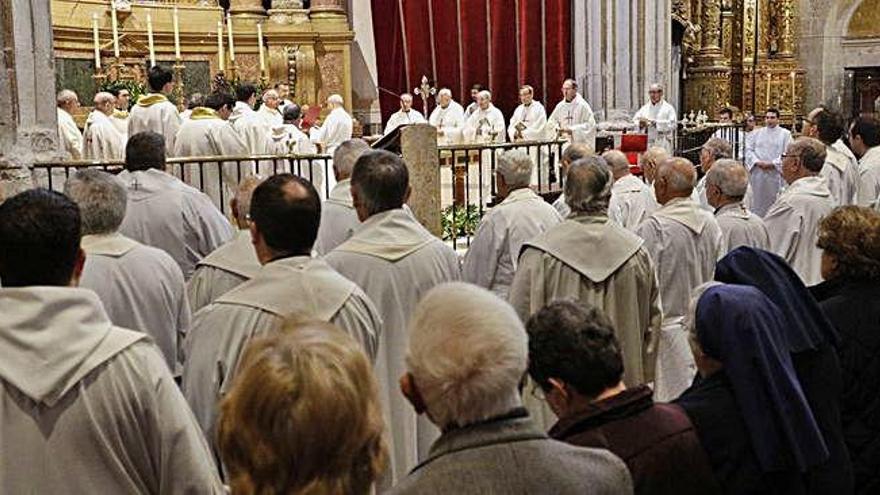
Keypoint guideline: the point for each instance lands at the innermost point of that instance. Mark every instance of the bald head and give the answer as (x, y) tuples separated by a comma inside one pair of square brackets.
[(618, 163), (588, 186), (675, 179), (346, 155), (729, 179), (650, 159), (241, 203), (285, 214)]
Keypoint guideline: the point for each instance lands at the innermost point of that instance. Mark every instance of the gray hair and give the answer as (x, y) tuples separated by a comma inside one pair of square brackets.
[(655, 87), (467, 353), (718, 148), (679, 173), (516, 167), (617, 161), (102, 200), (588, 186), (346, 155), (445, 91), (406, 95), (104, 97), (335, 99), (269, 94), (575, 152), (811, 151), (730, 176), (243, 195), (64, 96), (485, 94)]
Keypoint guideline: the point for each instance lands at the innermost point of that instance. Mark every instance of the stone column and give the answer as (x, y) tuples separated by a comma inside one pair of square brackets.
[(333, 7), (28, 119), (418, 145), (246, 8)]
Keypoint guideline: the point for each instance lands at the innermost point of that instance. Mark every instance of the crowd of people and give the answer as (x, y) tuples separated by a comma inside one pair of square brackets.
[(655, 335)]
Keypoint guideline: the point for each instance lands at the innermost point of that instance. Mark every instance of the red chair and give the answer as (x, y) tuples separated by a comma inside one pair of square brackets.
[(633, 145)]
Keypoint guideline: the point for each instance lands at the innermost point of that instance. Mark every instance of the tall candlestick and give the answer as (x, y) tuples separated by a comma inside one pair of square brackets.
[(231, 42), (221, 55), (176, 35), (260, 47), (768, 90), (793, 94), (115, 26), (150, 41), (97, 41)]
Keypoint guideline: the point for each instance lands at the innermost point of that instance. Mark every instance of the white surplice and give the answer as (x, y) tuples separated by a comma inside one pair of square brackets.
[(227, 267), (631, 202), (842, 176), (396, 261), (483, 124), (793, 224), (491, 260), (153, 112), (338, 218), (88, 407), (869, 176), (101, 139), (165, 213), (69, 135), (335, 130), (120, 121), (450, 120), (400, 118), (576, 115), (533, 119), (241, 109), (766, 144), (297, 286), (287, 139), (662, 133), (684, 242), (740, 227), (140, 287)]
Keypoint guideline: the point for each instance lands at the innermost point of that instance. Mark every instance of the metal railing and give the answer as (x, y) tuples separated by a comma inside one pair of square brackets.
[(689, 141)]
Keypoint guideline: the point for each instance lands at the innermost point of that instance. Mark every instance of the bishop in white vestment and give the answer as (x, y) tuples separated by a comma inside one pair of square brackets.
[(764, 152), (486, 123), (101, 139), (153, 112), (658, 118), (573, 118), (448, 118), (405, 116)]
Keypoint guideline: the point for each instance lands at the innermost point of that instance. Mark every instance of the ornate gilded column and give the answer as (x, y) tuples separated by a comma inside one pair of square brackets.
[(785, 15), (246, 8), (708, 86), (328, 7), (710, 20)]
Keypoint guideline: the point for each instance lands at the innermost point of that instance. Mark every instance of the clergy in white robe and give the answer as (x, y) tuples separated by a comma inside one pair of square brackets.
[(448, 118), (684, 241), (571, 154), (475, 97), (486, 123), (713, 150), (631, 199), (245, 99), (120, 122), (864, 137), (231, 264), (255, 129), (658, 118), (86, 406), (338, 216), (573, 118), (140, 286), (840, 171), (529, 119), (120, 113), (208, 133), (165, 213), (764, 160), (337, 127), (395, 261), (288, 139), (405, 116), (68, 132), (491, 259), (153, 112), (590, 259), (726, 186), (793, 220), (285, 215), (101, 139)]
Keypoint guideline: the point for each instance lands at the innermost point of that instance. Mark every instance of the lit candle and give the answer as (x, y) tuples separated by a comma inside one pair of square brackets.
[(231, 42), (150, 41), (115, 25), (97, 41), (176, 35), (221, 55), (260, 47), (768, 90), (793, 94)]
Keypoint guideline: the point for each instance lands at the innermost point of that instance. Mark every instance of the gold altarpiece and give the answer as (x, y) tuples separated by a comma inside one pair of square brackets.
[(723, 67), (308, 48)]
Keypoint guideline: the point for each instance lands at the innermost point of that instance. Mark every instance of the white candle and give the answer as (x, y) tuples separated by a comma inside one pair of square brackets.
[(115, 25), (221, 55), (150, 41), (231, 42), (97, 41), (768, 90), (176, 35), (260, 47)]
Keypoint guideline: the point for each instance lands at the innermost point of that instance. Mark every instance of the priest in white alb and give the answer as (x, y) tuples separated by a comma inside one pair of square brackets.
[(339, 219), (395, 261), (448, 118), (405, 116), (165, 213), (245, 100), (285, 211), (71, 138), (140, 286), (486, 123), (840, 171), (101, 139), (255, 129), (529, 119), (684, 241), (491, 259), (337, 127), (86, 406), (231, 264), (631, 199), (207, 132), (153, 112), (573, 118), (864, 137), (120, 113), (726, 187), (589, 259), (764, 150), (658, 119), (793, 220)]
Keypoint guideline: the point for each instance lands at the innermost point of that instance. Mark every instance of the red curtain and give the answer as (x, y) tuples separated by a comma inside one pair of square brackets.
[(500, 44)]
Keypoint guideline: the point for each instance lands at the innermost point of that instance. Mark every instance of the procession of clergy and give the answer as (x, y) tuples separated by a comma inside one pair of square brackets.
[(88, 404)]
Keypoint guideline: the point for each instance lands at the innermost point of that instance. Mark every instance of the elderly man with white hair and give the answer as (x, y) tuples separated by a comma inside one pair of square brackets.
[(233, 263), (571, 154), (337, 127), (840, 170), (631, 199), (395, 261), (657, 118), (255, 129), (714, 149), (139, 286), (486, 123), (590, 259), (529, 119), (491, 260), (101, 139), (466, 356), (448, 118), (71, 138), (726, 186), (339, 219), (685, 242), (573, 118), (405, 116)]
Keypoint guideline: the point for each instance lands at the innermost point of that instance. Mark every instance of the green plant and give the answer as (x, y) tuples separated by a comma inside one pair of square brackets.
[(460, 221), (134, 89)]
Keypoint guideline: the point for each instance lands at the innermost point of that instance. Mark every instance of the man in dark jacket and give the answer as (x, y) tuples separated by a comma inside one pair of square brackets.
[(576, 360)]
